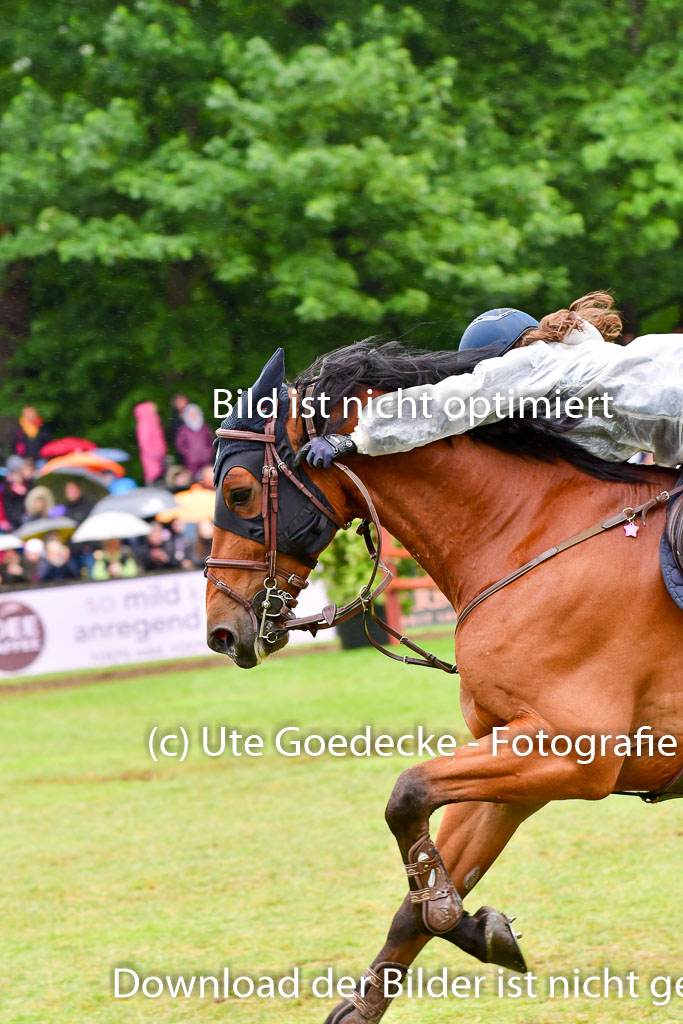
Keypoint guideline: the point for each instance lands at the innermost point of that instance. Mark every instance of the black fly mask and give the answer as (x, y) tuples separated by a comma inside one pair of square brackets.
[(303, 530)]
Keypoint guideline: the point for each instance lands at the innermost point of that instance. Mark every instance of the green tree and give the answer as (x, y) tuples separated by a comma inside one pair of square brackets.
[(184, 186), (190, 197)]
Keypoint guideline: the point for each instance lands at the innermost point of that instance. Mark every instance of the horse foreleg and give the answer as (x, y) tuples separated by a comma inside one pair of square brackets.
[(475, 773), (470, 838), (478, 773)]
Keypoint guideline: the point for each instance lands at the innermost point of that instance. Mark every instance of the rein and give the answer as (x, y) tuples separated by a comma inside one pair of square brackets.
[(272, 603)]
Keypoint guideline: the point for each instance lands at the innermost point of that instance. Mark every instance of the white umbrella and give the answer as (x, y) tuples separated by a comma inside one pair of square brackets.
[(9, 542), (110, 526), (143, 501), (63, 525)]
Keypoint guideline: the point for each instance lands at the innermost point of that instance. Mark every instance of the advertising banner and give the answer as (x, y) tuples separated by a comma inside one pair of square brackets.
[(117, 622)]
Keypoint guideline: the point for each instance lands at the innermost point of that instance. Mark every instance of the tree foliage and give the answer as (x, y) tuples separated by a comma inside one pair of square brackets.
[(184, 186)]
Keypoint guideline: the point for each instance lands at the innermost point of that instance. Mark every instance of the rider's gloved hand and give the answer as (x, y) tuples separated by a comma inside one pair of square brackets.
[(322, 451)]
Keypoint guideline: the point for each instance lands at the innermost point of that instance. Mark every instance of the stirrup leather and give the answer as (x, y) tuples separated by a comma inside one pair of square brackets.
[(436, 900)]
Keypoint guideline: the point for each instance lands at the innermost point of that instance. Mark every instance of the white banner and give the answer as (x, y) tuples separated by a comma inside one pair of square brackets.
[(117, 622)]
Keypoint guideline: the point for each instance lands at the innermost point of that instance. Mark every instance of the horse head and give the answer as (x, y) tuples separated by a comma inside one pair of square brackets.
[(271, 522)]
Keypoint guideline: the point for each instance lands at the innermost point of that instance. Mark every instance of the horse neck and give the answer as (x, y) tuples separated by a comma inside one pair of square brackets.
[(466, 512)]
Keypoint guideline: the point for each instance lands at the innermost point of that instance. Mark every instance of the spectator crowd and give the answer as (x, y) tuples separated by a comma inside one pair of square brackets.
[(50, 486)]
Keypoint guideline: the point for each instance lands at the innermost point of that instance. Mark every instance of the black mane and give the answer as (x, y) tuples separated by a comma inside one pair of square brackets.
[(392, 365)]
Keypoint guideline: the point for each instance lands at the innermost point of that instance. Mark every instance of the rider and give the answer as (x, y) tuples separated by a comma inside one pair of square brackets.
[(622, 400)]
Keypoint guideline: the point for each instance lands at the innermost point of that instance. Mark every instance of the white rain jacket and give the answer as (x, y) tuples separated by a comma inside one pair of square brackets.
[(643, 383)]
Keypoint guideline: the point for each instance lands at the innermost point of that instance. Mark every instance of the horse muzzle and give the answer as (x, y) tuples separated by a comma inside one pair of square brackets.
[(243, 644)]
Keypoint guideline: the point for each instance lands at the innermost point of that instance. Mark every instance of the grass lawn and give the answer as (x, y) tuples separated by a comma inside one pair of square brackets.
[(260, 864)]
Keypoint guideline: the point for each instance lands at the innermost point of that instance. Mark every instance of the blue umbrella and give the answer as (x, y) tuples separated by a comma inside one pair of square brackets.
[(115, 454), (122, 485)]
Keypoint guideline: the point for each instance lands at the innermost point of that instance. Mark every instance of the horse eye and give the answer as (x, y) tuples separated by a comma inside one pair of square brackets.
[(240, 497)]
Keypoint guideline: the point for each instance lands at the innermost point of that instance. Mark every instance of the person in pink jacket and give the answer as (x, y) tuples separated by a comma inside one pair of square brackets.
[(151, 440)]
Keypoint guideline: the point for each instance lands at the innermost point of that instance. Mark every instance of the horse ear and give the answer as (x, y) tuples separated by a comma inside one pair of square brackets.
[(272, 376)]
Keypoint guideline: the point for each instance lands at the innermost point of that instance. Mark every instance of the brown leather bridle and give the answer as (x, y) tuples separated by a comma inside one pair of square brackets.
[(270, 596), (270, 609)]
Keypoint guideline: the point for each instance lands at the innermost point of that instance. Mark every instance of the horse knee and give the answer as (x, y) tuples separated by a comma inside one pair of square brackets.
[(408, 800)]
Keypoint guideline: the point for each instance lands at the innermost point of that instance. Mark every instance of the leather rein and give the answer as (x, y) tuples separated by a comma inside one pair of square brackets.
[(273, 604)]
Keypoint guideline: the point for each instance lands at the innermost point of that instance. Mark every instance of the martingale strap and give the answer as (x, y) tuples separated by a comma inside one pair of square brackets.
[(627, 515)]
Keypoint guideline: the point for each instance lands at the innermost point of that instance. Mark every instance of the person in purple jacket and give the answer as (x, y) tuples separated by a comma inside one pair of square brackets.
[(194, 440)]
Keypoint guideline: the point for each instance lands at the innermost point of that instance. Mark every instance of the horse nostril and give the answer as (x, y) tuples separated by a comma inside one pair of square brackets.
[(221, 640)]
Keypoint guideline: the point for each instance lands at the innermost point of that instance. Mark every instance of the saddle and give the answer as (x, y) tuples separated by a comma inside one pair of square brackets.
[(671, 549)]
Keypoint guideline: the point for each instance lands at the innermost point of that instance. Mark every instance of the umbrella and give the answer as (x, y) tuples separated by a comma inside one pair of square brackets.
[(8, 542), (62, 525), (121, 485), (83, 460), (192, 505), (143, 501), (115, 454), (110, 526), (89, 483), (64, 445)]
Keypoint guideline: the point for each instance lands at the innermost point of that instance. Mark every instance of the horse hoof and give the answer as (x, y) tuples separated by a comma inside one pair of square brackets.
[(487, 935), (502, 947)]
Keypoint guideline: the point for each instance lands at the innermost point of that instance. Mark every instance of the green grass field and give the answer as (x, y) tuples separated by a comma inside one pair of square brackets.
[(109, 859)]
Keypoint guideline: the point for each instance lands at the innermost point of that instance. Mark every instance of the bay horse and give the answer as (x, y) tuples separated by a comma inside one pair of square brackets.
[(589, 643)]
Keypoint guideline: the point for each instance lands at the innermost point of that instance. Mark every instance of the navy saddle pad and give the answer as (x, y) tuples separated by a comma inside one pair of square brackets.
[(670, 571)]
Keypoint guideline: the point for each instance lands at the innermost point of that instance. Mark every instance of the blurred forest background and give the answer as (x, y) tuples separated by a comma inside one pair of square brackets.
[(186, 185)]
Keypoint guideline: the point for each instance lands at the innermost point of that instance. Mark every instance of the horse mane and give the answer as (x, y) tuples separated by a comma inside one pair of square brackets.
[(391, 365)]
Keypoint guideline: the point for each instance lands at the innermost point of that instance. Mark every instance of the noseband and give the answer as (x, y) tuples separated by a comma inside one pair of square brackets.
[(271, 608), (271, 602)]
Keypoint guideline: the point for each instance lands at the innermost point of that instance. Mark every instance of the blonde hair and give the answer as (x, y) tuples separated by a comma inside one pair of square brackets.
[(596, 307)]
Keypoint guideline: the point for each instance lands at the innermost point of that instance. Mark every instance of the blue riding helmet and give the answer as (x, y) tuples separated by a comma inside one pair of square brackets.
[(499, 327)]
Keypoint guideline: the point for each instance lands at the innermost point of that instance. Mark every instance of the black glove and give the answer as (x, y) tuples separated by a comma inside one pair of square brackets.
[(322, 451)]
